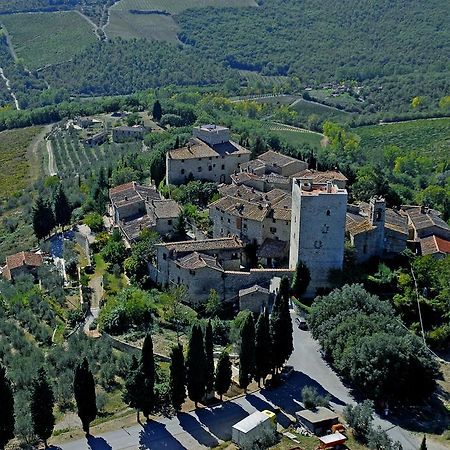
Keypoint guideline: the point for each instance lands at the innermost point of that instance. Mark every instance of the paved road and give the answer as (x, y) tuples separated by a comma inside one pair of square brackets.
[(206, 428)]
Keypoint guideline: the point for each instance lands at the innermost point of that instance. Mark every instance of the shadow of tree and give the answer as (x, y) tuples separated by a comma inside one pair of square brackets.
[(98, 443), (220, 419), (192, 426), (154, 435), (261, 405)]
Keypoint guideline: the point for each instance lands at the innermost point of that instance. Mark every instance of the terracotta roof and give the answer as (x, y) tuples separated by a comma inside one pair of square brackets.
[(133, 228), (28, 259), (432, 245), (165, 209), (241, 208), (253, 289), (196, 148), (204, 245), (197, 260), (277, 159), (355, 227), (128, 193), (251, 194), (321, 177)]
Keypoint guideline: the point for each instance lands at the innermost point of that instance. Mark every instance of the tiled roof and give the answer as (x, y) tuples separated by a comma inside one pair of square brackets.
[(132, 192), (204, 245), (321, 177), (427, 219), (241, 208), (197, 260), (254, 164), (133, 228), (432, 245), (196, 148), (165, 209), (277, 159), (355, 227), (27, 259), (396, 222), (253, 289), (251, 194)]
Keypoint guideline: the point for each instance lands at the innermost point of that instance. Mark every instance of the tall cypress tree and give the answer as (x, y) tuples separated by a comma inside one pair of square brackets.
[(62, 208), (281, 328), (196, 365), (263, 347), (43, 219), (209, 353), (177, 377), (84, 390), (7, 420), (301, 280), (157, 111), (222, 380), (133, 388), (42, 404), (247, 352), (148, 375), (423, 445)]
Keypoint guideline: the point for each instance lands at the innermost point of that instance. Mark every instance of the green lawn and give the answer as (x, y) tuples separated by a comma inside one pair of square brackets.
[(48, 38), (161, 27), (305, 109), (430, 137), (14, 163), (296, 138)]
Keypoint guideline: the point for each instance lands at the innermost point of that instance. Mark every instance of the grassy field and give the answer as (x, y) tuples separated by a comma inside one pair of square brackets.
[(15, 166), (344, 99), (305, 109), (256, 79), (127, 25), (430, 137), (48, 38), (297, 138)]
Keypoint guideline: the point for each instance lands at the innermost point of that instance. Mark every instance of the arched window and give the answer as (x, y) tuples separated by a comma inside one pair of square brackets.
[(328, 212)]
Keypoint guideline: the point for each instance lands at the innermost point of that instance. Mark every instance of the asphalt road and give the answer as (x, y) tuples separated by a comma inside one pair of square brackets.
[(207, 427)]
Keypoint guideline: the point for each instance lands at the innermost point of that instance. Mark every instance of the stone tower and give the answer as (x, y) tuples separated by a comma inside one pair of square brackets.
[(317, 230), (377, 218)]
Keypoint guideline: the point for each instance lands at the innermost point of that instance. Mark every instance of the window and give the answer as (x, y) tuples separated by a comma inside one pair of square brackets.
[(328, 212), (182, 171), (221, 218), (199, 169), (273, 230), (378, 216), (223, 166), (178, 278), (192, 272), (182, 160), (164, 256), (210, 158), (169, 222), (210, 168), (245, 226), (228, 220), (274, 221)]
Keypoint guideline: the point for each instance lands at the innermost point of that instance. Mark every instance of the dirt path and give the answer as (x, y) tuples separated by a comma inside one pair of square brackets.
[(93, 25), (52, 169), (8, 86), (33, 152), (283, 127)]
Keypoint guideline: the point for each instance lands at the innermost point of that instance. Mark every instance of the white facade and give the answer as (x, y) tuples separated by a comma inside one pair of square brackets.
[(317, 230)]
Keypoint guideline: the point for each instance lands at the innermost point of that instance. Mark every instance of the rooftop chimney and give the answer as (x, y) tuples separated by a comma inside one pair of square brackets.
[(329, 187)]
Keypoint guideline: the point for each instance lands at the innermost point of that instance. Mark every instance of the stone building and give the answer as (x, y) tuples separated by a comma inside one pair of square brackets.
[(135, 208), (317, 230), (256, 217), (317, 177), (254, 299), (210, 155), (434, 246), (375, 231), (96, 139), (125, 134), (208, 264), (20, 264)]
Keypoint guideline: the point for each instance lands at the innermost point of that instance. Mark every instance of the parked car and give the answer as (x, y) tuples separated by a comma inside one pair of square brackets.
[(301, 323), (286, 372)]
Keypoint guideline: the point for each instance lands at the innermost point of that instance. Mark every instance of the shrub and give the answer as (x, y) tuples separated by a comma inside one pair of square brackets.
[(312, 399), (94, 221)]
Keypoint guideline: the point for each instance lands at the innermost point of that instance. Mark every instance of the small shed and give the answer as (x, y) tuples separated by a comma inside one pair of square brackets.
[(254, 298), (258, 426), (318, 421)]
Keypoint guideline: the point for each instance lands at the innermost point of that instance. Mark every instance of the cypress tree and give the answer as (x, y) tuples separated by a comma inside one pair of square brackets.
[(301, 280), (148, 375), (423, 445), (157, 111), (196, 365), (177, 377), (247, 352), (62, 208), (7, 420), (223, 374), (209, 353), (43, 219), (281, 330), (263, 347), (42, 404), (84, 390), (133, 388)]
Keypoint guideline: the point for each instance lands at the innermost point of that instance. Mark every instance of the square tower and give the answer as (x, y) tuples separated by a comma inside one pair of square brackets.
[(317, 230)]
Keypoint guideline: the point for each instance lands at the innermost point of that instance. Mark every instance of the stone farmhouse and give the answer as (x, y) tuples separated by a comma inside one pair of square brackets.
[(22, 263), (126, 134), (208, 264), (254, 299), (428, 233), (375, 230), (97, 139), (259, 218), (317, 230), (210, 155), (135, 208)]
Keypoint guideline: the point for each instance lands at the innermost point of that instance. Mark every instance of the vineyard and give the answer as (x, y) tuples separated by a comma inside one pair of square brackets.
[(71, 157)]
